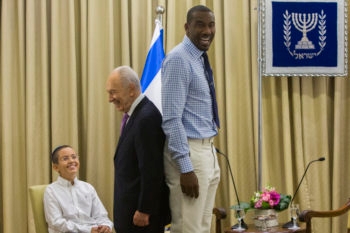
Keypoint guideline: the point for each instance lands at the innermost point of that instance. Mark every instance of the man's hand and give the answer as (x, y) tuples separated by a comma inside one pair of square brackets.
[(141, 219), (189, 184)]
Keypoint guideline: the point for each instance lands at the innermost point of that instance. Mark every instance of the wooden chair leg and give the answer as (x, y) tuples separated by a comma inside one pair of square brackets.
[(220, 213)]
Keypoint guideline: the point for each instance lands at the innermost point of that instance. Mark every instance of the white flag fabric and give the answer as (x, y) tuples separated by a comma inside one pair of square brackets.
[(150, 79)]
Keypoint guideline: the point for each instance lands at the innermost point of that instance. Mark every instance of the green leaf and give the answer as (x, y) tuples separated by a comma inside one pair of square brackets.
[(284, 202), (243, 205)]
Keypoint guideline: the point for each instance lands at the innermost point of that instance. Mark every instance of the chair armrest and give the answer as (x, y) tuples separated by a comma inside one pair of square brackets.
[(306, 215), (220, 213)]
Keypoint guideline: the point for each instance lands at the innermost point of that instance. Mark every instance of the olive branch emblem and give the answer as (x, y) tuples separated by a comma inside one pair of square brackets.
[(287, 26)]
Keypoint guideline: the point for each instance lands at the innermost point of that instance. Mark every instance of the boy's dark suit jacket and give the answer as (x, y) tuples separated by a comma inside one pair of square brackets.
[(139, 174)]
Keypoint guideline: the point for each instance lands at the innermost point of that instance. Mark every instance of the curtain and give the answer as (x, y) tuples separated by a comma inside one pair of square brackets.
[(55, 56)]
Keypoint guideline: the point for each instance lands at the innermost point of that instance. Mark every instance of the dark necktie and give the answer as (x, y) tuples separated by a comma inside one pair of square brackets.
[(209, 75), (124, 120)]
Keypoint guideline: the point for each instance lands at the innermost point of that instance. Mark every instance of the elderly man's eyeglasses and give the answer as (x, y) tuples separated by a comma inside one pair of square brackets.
[(66, 158)]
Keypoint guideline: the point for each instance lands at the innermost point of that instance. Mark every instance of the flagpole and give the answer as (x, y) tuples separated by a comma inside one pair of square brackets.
[(151, 74), (259, 99), (160, 11)]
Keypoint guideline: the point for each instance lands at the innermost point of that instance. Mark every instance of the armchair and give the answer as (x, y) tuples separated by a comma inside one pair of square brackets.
[(307, 215), (220, 213), (36, 194)]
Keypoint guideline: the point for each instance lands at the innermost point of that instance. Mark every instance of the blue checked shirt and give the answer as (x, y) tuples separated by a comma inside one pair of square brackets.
[(186, 101)]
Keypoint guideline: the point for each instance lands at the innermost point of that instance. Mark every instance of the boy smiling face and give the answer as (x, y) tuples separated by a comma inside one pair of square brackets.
[(68, 164)]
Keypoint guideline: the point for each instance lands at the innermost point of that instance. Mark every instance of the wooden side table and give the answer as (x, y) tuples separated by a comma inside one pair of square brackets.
[(277, 229)]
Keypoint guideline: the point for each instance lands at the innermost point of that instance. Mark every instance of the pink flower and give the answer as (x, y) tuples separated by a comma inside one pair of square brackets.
[(275, 198), (267, 198), (258, 204)]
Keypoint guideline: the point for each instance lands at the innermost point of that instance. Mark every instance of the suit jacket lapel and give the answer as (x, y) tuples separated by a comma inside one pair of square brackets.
[(134, 116), (131, 120)]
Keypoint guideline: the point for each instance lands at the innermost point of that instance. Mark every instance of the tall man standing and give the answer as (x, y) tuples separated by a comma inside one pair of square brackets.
[(140, 192), (190, 122)]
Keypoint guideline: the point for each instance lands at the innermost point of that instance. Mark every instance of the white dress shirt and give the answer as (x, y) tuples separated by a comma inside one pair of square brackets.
[(73, 208)]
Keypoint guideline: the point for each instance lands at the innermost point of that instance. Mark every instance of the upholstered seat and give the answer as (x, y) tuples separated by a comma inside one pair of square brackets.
[(36, 194)]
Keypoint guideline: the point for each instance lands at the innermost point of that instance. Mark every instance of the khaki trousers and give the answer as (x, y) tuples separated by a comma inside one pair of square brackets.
[(193, 215)]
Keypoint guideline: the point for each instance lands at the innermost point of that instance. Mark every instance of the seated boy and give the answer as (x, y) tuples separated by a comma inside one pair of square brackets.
[(72, 205)]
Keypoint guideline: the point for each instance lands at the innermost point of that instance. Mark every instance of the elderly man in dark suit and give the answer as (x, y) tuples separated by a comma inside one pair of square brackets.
[(140, 192)]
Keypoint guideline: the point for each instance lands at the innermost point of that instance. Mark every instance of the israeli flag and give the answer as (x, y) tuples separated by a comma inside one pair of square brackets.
[(150, 79)]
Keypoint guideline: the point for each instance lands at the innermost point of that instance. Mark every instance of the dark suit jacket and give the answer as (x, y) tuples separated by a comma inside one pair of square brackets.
[(139, 174)]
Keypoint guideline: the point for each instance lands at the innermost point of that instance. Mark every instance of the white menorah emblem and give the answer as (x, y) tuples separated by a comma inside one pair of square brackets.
[(304, 23)]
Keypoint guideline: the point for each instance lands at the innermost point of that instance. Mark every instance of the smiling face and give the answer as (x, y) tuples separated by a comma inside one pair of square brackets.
[(67, 163), (200, 29), (121, 92)]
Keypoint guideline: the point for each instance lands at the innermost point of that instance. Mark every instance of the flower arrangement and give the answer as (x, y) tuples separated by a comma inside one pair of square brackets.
[(269, 198)]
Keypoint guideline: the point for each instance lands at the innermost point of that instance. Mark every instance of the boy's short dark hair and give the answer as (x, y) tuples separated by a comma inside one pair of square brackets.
[(54, 154)]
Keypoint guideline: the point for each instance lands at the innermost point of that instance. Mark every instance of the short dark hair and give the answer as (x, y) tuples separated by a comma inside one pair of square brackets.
[(195, 9), (54, 154)]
